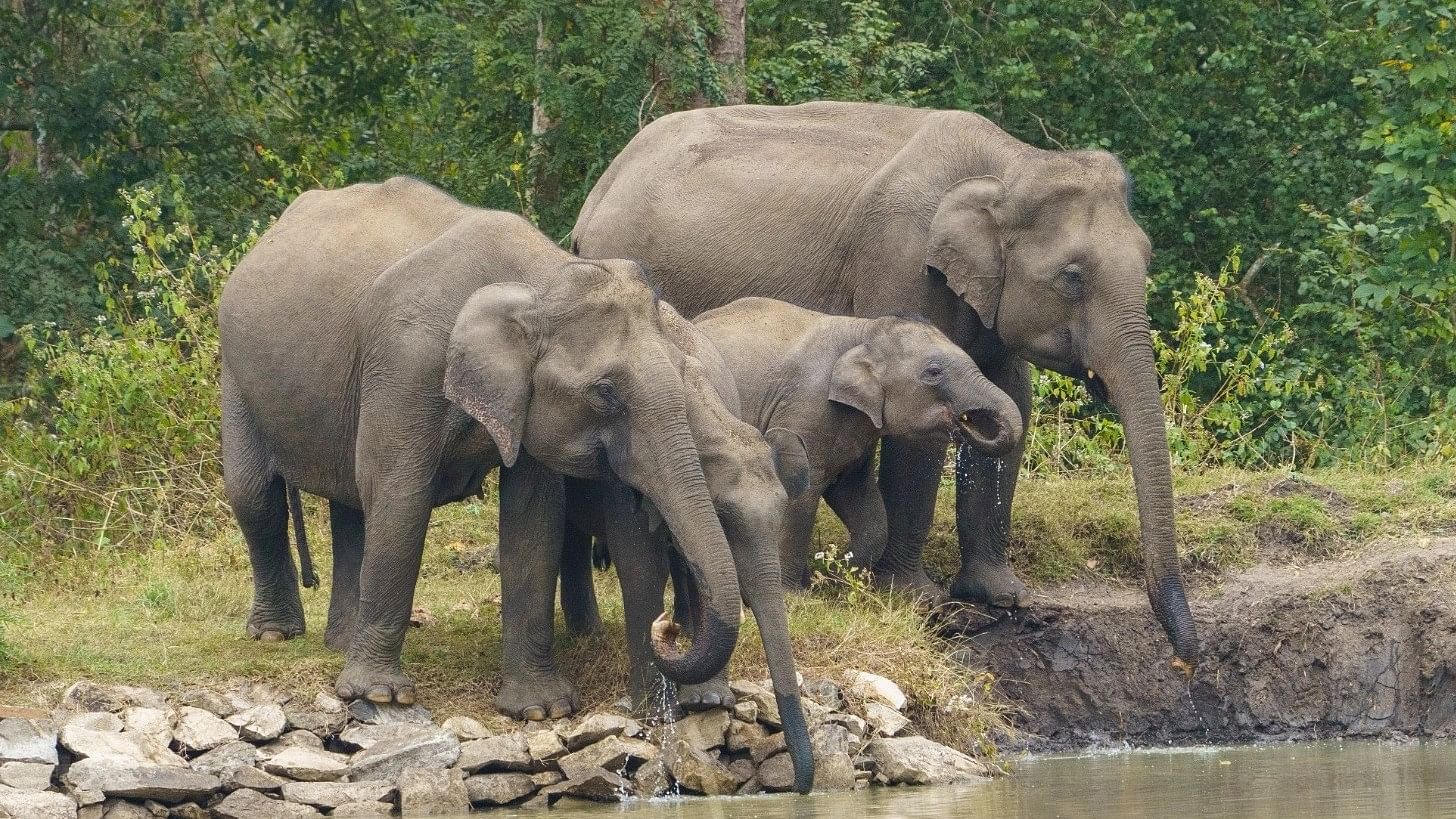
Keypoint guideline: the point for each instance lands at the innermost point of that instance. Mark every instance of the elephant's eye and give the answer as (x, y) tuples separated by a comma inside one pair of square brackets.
[(605, 398), (933, 374), (1069, 282)]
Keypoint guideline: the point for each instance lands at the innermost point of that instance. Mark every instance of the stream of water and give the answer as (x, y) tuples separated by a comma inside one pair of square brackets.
[(1317, 779)]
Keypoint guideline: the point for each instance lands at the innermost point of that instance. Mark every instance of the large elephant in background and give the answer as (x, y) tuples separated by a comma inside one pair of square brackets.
[(1017, 253), (385, 347)]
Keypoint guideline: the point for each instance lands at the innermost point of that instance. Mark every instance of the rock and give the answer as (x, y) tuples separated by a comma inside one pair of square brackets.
[(103, 721), (596, 784), (32, 805), (89, 696), (371, 713), (466, 728), (325, 716), (330, 795), (246, 804), (884, 720), (145, 781), (152, 724), (189, 810), (830, 739), (499, 788), (920, 761), (252, 779), (122, 809), (200, 730), (261, 723), (764, 748), (307, 764), (359, 737), (745, 710), (857, 727), (507, 752), (433, 792), (28, 740), (544, 778), (209, 700), (224, 759), (122, 748), (823, 692), (26, 776), (597, 727), (614, 753), (704, 730), (430, 749), (743, 770), (292, 739), (833, 766), (651, 779), (544, 746), (763, 701), (867, 687), (776, 774), (363, 809), (742, 735), (696, 770)]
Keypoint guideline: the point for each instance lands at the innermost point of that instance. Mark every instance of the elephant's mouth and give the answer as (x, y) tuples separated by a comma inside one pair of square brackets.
[(1096, 386), (983, 430)]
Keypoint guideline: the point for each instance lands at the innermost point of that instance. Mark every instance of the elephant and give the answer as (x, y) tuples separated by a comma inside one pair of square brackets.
[(841, 383), (751, 477), (385, 346), (1018, 254)]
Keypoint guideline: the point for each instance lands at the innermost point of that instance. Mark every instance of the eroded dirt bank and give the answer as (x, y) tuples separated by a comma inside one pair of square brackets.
[(1361, 646)]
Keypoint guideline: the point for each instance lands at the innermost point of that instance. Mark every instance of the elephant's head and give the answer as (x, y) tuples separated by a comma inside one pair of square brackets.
[(910, 380), (576, 371), (1052, 263)]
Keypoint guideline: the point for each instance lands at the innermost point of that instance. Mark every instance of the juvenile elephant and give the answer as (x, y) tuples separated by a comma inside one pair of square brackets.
[(1018, 254), (385, 347), (841, 383)]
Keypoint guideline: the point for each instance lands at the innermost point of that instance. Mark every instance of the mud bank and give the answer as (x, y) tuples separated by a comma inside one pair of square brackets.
[(1360, 646)]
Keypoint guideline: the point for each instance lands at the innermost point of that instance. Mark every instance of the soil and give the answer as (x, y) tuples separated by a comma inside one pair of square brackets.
[(1358, 646)]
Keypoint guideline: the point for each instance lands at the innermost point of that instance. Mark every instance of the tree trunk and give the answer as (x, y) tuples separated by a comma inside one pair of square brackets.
[(728, 47), (544, 188)]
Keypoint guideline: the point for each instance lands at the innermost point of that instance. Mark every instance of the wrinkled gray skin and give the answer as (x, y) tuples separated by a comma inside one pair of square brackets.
[(751, 477), (385, 347), (841, 383), (1018, 254)]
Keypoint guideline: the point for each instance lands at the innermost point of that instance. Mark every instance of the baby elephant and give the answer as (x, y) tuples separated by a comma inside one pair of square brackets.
[(841, 383)]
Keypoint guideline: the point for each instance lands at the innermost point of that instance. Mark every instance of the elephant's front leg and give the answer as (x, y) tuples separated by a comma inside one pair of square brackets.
[(532, 511), (346, 528), (641, 561), (985, 488), (796, 535), (909, 478), (855, 497)]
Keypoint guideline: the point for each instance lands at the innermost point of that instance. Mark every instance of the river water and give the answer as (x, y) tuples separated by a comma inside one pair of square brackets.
[(1316, 779)]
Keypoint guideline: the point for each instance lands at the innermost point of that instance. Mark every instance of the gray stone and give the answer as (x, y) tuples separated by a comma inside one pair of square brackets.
[(544, 746), (330, 795), (28, 740), (776, 774), (833, 766), (745, 710), (359, 737), (122, 809), (152, 725), (596, 784), (103, 721), (88, 696), (116, 778), (307, 764), (884, 720), (371, 713), (920, 761), (200, 730), (261, 723), (696, 770), (431, 749), (425, 792), (824, 692), (114, 745), (252, 779), (33, 805), (856, 726), (363, 809), (597, 727), (507, 752), (26, 776), (771, 744), (89, 811), (226, 758), (292, 739), (324, 716), (704, 730), (189, 810), (763, 701), (867, 687), (651, 779), (742, 735), (246, 804), (466, 728), (209, 700), (614, 753), (544, 778), (743, 770), (499, 788)]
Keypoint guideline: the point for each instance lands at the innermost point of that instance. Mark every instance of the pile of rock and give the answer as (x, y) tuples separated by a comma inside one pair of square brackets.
[(116, 752)]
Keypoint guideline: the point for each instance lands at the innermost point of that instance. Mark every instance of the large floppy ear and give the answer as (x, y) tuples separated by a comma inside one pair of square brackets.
[(493, 350), (855, 381), (791, 459), (966, 244)]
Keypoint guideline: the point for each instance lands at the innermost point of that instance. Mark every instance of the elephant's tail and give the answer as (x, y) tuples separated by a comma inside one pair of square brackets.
[(300, 536)]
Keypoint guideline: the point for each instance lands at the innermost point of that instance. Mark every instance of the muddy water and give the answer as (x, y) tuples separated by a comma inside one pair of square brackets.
[(1320, 779)]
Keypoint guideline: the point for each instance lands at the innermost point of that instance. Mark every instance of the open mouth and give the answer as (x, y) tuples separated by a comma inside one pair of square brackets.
[(1096, 386), (978, 427)]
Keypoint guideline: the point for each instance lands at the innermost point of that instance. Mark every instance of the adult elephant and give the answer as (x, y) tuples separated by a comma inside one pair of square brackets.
[(1017, 253), (385, 347)]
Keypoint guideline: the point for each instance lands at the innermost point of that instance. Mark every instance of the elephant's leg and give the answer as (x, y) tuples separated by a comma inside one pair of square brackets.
[(795, 537), (346, 528), (578, 595), (909, 479), (641, 561), (855, 498), (532, 508), (714, 693), (985, 488), (256, 494)]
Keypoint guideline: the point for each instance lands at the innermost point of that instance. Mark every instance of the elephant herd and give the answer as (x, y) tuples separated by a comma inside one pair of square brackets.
[(757, 299)]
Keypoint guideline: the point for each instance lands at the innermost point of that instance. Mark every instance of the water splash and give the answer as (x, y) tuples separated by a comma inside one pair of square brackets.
[(1188, 692), (662, 712)]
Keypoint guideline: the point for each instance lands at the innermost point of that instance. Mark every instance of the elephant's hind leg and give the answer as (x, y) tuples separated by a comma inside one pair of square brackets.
[(256, 493), (346, 526), (578, 595)]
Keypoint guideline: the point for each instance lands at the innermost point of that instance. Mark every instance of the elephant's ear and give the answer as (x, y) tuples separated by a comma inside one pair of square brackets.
[(966, 244), (791, 459), (855, 382), (492, 355)]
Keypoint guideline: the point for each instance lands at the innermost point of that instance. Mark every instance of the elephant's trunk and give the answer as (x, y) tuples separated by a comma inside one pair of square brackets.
[(1131, 381), (986, 417)]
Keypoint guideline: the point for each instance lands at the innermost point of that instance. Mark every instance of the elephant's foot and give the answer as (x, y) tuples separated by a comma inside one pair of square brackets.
[(542, 696), (274, 623), (993, 584), (377, 682), (915, 584), (706, 696)]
